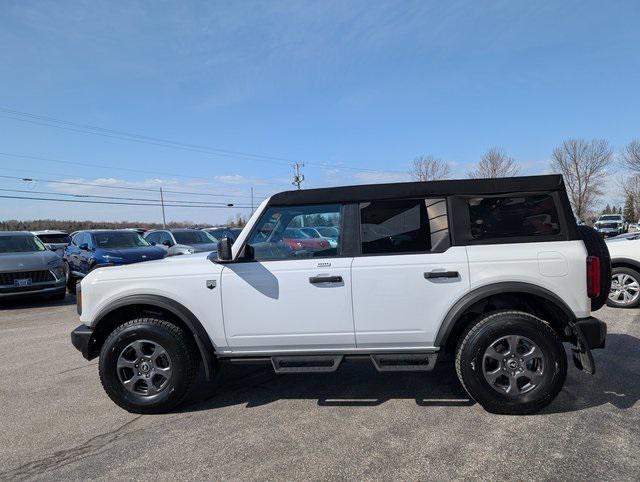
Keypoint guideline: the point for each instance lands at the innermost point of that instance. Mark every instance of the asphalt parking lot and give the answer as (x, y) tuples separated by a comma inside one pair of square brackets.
[(355, 423)]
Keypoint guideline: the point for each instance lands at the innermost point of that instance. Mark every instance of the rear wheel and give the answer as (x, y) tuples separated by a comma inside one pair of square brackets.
[(511, 363), (147, 365), (625, 288)]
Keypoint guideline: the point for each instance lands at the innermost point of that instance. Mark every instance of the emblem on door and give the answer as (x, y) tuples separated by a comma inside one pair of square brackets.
[(324, 264), (211, 283)]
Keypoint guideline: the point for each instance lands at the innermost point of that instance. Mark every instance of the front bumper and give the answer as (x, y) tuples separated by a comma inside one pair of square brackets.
[(590, 334), (81, 338), (46, 288)]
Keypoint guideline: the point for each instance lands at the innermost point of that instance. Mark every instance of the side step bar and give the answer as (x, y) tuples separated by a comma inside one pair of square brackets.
[(383, 362), (400, 362), (304, 364)]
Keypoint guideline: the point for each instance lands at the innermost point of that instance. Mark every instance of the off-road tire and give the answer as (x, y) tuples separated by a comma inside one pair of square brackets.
[(470, 359), (636, 276), (178, 345), (597, 247)]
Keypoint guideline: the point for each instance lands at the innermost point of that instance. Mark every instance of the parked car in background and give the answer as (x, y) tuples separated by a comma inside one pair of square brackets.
[(315, 233), (633, 228), (105, 247), (298, 240), (220, 232), (140, 231), (54, 241), (625, 270), (610, 225), (182, 241), (27, 267)]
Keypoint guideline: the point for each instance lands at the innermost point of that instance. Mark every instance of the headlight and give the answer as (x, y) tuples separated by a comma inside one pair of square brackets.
[(109, 258)]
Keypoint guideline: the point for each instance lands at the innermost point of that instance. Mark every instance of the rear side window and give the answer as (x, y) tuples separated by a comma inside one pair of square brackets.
[(513, 216), (404, 226)]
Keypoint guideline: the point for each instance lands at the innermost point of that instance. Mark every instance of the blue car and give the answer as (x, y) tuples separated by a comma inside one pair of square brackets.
[(97, 248)]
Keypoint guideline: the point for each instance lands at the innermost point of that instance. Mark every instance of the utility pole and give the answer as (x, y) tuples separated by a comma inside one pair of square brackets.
[(251, 199), (298, 177), (164, 221)]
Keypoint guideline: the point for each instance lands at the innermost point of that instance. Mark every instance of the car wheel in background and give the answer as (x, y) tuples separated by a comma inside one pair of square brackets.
[(70, 279), (511, 363), (625, 288), (147, 365)]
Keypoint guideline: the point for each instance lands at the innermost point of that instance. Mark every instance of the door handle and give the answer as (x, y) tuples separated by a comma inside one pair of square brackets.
[(325, 279), (441, 274)]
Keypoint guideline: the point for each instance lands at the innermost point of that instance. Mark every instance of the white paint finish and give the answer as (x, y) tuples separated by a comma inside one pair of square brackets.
[(624, 248), (180, 278), (497, 263), (272, 305), (394, 305), (552, 264)]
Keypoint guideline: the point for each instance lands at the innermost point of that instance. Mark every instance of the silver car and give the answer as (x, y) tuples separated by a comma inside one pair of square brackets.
[(54, 240), (182, 241), (27, 267)]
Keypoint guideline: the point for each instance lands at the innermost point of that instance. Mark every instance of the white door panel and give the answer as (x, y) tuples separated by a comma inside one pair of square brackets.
[(393, 302), (273, 304)]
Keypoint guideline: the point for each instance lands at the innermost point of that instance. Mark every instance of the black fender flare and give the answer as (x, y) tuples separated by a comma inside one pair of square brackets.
[(200, 335), (632, 262), (493, 289)]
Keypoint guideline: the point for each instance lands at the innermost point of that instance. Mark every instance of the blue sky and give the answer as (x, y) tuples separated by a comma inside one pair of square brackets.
[(338, 84)]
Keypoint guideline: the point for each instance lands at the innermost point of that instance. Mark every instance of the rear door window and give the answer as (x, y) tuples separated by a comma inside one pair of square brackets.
[(521, 216), (404, 226)]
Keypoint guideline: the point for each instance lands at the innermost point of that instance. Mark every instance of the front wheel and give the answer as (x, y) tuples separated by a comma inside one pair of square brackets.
[(625, 288), (147, 365), (511, 363)]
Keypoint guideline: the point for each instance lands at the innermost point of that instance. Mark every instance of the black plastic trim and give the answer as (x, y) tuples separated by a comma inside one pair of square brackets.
[(205, 346), (632, 262), (80, 338), (497, 288)]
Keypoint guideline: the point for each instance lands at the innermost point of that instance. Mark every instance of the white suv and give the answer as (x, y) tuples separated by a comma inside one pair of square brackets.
[(495, 271)]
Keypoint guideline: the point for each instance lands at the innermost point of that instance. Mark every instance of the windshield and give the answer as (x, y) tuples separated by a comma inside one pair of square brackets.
[(328, 232), (119, 240), (20, 244), (215, 233), (54, 238), (610, 218), (295, 234), (193, 237)]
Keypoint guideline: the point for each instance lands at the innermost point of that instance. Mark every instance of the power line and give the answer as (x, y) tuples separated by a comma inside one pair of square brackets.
[(117, 203), (119, 198), (162, 142), (128, 188)]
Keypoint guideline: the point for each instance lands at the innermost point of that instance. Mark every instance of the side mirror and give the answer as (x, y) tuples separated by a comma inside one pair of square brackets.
[(152, 243), (167, 243), (224, 249), (84, 247)]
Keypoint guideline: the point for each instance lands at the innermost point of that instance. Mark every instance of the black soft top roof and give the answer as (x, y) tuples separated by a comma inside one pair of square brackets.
[(371, 192)]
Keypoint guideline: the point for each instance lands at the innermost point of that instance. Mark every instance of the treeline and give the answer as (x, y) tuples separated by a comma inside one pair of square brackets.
[(71, 226)]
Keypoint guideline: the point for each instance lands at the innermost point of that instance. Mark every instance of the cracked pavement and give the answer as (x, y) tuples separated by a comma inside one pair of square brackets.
[(57, 423)]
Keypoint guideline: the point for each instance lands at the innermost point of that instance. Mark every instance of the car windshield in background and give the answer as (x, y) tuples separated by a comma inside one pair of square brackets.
[(20, 244), (295, 234), (610, 218), (327, 232), (236, 231), (218, 234), (54, 238), (119, 240), (193, 237)]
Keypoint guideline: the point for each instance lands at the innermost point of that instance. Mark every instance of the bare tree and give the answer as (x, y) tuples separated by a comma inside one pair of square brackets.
[(631, 156), (495, 163), (583, 165), (631, 188), (428, 168)]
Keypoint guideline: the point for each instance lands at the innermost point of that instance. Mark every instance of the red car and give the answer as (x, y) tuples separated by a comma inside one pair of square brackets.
[(298, 240)]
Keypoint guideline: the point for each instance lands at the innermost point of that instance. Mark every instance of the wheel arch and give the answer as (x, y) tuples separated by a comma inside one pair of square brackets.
[(625, 263), (130, 307), (505, 295)]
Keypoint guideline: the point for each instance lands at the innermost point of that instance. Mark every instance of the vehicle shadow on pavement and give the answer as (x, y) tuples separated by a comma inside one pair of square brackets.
[(617, 378), (35, 302), (353, 384)]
